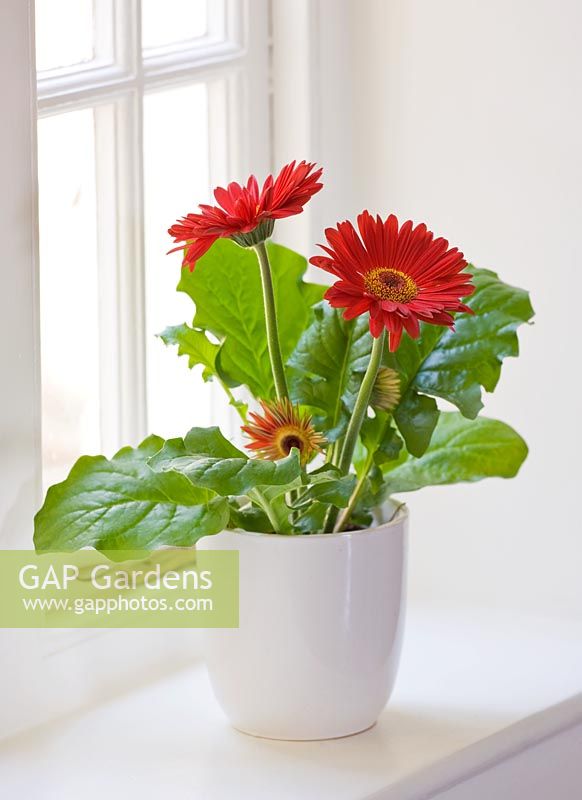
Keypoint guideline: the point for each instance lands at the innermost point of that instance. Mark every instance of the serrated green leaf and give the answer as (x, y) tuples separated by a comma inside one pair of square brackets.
[(150, 445), (194, 344), (226, 288), (122, 504), (461, 450), (328, 364), (455, 365)]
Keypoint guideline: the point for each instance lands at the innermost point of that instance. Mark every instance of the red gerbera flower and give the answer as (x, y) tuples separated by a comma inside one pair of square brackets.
[(244, 213), (400, 276)]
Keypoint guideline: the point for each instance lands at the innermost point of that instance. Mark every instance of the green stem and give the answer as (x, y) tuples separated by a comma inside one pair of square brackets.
[(360, 410), (271, 323), (347, 512), (362, 403), (331, 453), (368, 464), (279, 525)]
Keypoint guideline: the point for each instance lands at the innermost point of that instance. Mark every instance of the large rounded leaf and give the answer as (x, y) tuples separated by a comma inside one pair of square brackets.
[(461, 450), (122, 504)]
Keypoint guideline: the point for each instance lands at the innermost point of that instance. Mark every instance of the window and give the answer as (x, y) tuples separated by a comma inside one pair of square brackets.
[(128, 139), (143, 107), (112, 119)]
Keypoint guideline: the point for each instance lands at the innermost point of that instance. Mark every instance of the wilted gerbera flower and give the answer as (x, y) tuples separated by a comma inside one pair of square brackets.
[(280, 428), (386, 391), (400, 276), (244, 213)]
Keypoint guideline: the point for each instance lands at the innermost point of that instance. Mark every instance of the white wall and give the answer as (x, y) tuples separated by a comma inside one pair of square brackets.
[(467, 114)]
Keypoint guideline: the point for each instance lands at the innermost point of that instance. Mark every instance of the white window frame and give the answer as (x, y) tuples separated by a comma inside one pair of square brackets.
[(45, 676), (230, 51)]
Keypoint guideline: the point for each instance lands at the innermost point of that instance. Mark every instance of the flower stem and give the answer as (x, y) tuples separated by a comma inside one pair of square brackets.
[(346, 513), (360, 409), (271, 323), (361, 406), (368, 464)]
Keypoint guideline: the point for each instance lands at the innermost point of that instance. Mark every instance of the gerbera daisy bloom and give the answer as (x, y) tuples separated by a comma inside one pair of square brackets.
[(280, 428), (244, 213), (400, 276)]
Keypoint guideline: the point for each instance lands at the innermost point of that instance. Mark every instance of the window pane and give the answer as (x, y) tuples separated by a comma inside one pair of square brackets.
[(176, 180), (64, 33), (173, 21), (68, 291)]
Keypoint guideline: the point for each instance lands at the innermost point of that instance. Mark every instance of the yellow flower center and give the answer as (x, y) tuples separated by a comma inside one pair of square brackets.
[(390, 284)]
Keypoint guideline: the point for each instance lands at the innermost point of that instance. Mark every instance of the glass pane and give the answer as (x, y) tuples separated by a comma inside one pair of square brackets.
[(176, 179), (68, 291), (64, 33), (172, 21)]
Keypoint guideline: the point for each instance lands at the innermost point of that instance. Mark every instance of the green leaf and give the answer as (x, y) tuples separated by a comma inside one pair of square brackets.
[(461, 450), (312, 519), (249, 518), (226, 288), (271, 500), (225, 474), (210, 442), (328, 363), (327, 487), (416, 417), (199, 442), (236, 476), (194, 344), (455, 365), (380, 439), (272, 493), (122, 504), (379, 444)]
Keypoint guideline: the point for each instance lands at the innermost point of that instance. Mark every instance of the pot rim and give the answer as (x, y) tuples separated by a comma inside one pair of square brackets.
[(400, 515)]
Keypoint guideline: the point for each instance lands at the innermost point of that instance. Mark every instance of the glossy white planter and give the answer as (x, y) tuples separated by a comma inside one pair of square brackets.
[(321, 619)]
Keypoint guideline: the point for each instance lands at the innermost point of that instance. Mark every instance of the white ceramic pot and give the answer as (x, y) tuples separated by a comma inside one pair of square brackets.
[(321, 618)]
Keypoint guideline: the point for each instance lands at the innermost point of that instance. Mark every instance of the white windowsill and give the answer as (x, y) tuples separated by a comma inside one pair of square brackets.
[(464, 680)]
